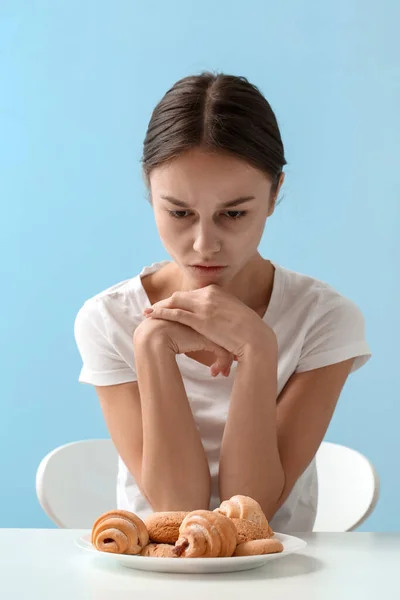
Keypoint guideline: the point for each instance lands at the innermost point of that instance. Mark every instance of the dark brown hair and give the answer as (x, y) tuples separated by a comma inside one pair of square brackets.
[(216, 112)]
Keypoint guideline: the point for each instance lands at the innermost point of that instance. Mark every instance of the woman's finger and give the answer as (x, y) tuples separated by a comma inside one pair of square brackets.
[(224, 360), (225, 372), (184, 300), (176, 315)]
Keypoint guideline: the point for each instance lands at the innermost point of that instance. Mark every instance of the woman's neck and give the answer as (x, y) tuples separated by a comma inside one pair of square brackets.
[(253, 285)]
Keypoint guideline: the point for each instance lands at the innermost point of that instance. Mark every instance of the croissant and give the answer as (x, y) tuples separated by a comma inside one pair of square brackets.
[(244, 507), (119, 532), (206, 534)]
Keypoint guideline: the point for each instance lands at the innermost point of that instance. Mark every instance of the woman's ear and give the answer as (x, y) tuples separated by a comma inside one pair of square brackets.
[(275, 195)]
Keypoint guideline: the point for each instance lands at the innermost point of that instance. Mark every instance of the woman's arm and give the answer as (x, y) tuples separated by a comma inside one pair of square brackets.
[(174, 468), (267, 444), (249, 461)]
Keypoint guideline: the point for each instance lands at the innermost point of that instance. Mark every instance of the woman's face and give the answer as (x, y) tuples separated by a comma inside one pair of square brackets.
[(190, 197)]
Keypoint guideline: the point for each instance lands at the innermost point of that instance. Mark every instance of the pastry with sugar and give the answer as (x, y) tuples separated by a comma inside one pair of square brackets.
[(163, 527), (248, 531), (244, 507), (119, 532), (206, 534), (256, 547), (159, 550)]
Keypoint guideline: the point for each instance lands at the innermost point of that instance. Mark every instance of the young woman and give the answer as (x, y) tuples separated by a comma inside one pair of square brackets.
[(228, 386)]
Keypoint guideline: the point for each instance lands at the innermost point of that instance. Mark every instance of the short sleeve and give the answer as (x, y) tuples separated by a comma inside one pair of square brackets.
[(336, 333), (102, 365)]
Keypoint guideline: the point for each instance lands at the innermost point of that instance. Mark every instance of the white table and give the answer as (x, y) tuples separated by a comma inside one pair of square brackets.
[(42, 564)]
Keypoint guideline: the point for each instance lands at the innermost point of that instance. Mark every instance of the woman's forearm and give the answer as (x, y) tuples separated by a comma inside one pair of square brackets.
[(249, 462), (175, 473)]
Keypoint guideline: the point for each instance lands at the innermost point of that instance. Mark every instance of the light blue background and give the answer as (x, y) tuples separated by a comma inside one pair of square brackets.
[(78, 82)]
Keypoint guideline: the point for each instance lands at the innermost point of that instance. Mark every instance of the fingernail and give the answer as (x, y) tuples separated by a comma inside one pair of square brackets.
[(147, 311)]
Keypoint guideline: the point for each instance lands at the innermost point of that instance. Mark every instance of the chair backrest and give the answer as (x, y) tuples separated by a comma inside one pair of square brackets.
[(348, 488), (76, 483)]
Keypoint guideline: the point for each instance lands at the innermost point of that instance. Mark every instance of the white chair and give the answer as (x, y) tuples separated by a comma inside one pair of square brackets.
[(76, 483), (348, 488)]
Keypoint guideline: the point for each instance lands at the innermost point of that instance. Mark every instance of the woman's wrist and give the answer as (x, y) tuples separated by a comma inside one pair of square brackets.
[(262, 345), (151, 335)]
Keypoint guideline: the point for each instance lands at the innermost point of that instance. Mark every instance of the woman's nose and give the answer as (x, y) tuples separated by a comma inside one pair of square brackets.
[(206, 242)]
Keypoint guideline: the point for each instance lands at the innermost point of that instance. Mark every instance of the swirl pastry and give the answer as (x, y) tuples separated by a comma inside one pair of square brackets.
[(206, 534), (119, 532), (255, 547), (244, 507), (163, 527)]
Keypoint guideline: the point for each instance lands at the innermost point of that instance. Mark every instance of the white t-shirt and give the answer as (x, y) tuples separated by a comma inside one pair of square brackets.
[(314, 324)]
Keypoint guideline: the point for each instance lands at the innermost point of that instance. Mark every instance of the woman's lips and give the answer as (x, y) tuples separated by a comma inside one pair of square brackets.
[(207, 270)]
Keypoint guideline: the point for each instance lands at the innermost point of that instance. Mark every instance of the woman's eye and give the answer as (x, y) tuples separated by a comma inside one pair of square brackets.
[(178, 214), (233, 215), (237, 214)]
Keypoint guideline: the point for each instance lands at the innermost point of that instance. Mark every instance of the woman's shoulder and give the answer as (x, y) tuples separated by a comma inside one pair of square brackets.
[(314, 309), (321, 315), (329, 324), (124, 300), (303, 290)]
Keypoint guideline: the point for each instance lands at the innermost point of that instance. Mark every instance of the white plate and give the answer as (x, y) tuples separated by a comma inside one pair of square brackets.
[(195, 565)]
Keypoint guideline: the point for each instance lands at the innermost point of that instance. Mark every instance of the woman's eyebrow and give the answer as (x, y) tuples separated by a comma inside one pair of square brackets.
[(235, 202)]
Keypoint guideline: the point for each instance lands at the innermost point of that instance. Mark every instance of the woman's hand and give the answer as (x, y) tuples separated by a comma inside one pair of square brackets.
[(218, 316), (181, 339)]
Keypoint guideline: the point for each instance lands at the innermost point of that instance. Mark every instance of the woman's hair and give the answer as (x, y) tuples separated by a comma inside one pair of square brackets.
[(217, 113)]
